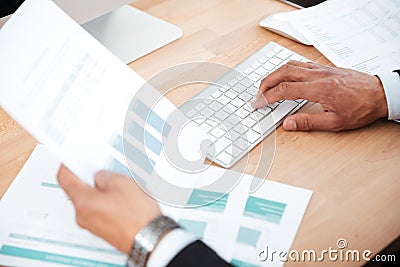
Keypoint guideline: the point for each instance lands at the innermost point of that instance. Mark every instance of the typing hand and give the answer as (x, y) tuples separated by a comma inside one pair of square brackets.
[(115, 209), (350, 99)]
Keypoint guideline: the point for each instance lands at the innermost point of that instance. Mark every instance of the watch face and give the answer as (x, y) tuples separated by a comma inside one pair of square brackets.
[(303, 3)]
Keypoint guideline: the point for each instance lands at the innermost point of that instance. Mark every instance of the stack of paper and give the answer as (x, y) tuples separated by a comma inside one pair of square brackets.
[(359, 34)]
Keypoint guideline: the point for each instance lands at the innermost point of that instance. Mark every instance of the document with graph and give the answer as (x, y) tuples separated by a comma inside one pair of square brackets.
[(38, 228), (68, 91)]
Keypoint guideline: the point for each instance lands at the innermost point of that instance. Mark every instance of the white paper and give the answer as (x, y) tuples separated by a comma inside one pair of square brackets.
[(38, 225), (280, 24), (360, 34), (69, 91)]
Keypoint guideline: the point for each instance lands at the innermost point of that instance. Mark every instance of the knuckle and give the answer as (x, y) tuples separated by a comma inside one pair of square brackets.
[(282, 88), (308, 123)]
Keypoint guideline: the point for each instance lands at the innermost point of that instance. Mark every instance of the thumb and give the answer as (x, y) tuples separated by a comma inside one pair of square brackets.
[(103, 179), (324, 121), (71, 184)]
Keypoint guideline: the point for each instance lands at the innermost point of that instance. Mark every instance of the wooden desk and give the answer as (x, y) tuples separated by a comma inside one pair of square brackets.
[(355, 175)]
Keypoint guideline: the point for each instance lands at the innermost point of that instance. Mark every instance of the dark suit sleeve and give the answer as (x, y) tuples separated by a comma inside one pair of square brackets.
[(8, 7), (197, 254)]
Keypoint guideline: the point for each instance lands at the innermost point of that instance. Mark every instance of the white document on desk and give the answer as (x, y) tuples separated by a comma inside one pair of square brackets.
[(360, 34), (72, 94), (38, 228)]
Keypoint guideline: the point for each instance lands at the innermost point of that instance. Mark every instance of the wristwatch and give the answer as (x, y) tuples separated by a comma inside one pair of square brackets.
[(147, 239)]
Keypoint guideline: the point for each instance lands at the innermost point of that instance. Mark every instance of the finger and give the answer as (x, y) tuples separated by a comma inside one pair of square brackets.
[(325, 121), (306, 65), (71, 184), (290, 91), (103, 178), (286, 73)]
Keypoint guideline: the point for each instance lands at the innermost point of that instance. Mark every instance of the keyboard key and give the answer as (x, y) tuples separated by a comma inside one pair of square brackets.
[(268, 66), (265, 110), (206, 127), (207, 112), (223, 100), (246, 96), (227, 125), (270, 54), (211, 138), (224, 158), (217, 132), (198, 120), (242, 113), (258, 115), (256, 65), (207, 101), (230, 94), (240, 129), (200, 106), (224, 88), (276, 61), (248, 71), (239, 88), (233, 82), (237, 102), (295, 57), (284, 54), (265, 124), (248, 122), (283, 109), (234, 119), (273, 105), (191, 113), (248, 108), (252, 136), (221, 144), (263, 59), (262, 72), (234, 152), (216, 94), (215, 105), (246, 82), (221, 115), (254, 77), (240, 77), (277, 49), (242, 144), (212, 123), (232, 135), (252, 90)]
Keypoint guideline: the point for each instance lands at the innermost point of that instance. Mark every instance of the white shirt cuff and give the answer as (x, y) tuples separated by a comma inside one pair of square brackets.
[(169, 247), (391, 86)]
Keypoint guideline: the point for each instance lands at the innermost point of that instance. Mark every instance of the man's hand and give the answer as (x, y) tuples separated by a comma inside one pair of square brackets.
[(115, 209), (350, 99)]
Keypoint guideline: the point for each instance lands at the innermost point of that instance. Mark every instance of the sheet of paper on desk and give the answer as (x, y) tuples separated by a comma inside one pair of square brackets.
[(358, 34), (67, 90), (37, 226)]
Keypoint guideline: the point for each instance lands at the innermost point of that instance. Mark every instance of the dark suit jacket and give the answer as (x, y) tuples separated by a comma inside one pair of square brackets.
[(198, 254), (8, 7)]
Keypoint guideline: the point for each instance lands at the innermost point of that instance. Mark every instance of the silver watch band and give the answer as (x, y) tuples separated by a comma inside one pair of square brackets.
[(147, 239)]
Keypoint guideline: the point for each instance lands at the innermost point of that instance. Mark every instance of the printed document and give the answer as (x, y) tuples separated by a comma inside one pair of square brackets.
[(360, 34), (38, 228)]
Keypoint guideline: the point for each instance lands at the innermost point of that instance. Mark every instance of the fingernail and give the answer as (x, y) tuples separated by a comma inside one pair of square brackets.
[(290, 125), (254, 104)]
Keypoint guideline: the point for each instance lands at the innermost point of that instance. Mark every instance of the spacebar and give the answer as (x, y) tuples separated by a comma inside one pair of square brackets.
[(278, 114)]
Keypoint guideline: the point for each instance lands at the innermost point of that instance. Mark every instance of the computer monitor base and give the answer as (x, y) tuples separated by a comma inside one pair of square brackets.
[(130, 33)]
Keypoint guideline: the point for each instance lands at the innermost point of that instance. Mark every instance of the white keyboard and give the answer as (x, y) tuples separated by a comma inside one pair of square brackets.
[(226, 116)]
